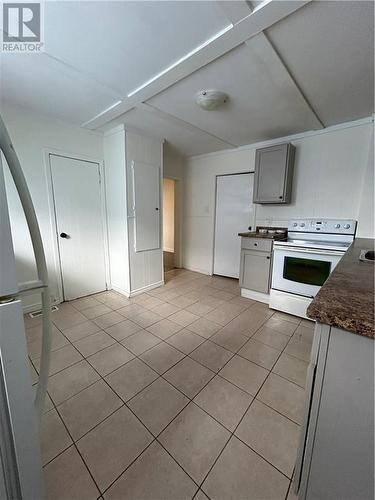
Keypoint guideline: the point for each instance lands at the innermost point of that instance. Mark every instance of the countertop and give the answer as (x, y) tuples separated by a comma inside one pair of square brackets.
[(346, 300)]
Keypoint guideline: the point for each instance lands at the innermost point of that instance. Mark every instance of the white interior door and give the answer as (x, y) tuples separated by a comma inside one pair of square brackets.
[(234, 214), (79, 221)]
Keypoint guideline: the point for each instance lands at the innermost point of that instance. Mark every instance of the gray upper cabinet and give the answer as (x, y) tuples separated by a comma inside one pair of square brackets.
[(274, 174)]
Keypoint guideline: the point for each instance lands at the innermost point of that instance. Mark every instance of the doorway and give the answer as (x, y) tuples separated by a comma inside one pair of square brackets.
[(169, 208), (77, 197), (234, 214)]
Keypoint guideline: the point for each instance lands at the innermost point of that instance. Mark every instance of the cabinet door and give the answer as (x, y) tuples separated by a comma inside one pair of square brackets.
[(146, 185), (273, 174), (255, 270)]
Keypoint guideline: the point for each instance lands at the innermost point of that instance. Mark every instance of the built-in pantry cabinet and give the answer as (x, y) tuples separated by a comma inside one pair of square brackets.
[(133, 173)]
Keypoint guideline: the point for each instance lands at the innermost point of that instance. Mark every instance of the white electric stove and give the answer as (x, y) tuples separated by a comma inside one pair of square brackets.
[(303, 262)]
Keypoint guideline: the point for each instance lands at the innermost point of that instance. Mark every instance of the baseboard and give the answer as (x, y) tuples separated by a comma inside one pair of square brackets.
[(37, 306), (120, 290), (251, 294), (170, 250), (196, 270), (138, 291)]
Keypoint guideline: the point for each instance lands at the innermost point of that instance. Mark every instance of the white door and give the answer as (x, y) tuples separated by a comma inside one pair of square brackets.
[(234, 214), (79, 221)]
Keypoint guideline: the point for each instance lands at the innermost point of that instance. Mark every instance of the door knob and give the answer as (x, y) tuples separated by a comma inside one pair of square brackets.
[(63, 235)]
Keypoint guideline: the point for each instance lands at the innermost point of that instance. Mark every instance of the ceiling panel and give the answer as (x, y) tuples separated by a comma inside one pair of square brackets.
[(46, 86), (263, 102), (333, 60), (186, 140), (123, 44)]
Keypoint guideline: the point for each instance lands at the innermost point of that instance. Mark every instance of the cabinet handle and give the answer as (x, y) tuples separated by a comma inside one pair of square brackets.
[(268, 257), (255, 244), (280, 197)]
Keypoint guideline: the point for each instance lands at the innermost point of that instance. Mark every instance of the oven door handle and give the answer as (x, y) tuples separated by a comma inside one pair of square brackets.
[(308, 250)]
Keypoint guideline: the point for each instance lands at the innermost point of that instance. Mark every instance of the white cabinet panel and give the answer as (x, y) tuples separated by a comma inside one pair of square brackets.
[(146, 193)]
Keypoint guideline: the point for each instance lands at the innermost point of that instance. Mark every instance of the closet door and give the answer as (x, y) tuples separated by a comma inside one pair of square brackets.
[(146, 184), (79, 221), (234, 214)]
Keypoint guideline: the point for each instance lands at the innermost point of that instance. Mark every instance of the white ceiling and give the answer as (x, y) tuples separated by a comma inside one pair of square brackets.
[(287, 67)]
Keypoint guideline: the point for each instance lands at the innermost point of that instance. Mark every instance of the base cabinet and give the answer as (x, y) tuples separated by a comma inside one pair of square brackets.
[(255, 270), (336, 453)]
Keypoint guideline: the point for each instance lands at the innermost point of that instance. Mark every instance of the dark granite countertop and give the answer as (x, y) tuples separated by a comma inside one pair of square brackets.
[(264, 236), (346, 300)]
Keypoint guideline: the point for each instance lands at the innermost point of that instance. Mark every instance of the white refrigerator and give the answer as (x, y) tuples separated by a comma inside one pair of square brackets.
[(20, 460)]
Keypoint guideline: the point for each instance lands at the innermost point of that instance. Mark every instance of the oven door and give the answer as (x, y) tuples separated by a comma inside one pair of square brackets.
[(302, 271)]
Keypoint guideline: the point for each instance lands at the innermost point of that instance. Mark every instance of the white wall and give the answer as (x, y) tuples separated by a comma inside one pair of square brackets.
[(332, 173), (173, 168), (31, 135), (168, 215)]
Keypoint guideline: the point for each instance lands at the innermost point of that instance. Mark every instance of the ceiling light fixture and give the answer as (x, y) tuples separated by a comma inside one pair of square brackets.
[(210, 99), (183, 58)]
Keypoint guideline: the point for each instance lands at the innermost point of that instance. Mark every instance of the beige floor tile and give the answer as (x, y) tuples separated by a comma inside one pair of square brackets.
[(146, 318), (183, 301), (209, 300), (131, 310), (35, 333), (88, 408), (81, 331), (161, 357), (223, 401), (185, 341), (231, 341), (54, 438), (67, 318), (110, 358), (224, 314), (211, 355), (272, 435), (112, 446), (204, 327), (291, 368), (195, 440), (281, 326), (154, 476), (109, 319), (131, 378), (259, 353), (303, 334), (84, 303), (269, 337), (253, 318), (67, 478), (201, 496), (123, 329), (183, 318), (189, 376), (291, 494), (117, 302), (153, 303), (96, 311), (287, 317), (284, 396), (167, 310), (306, 323), (58, 340), (70, 381), (107, 295), (60, 359), (164, 328), (199, 308), (242, 301), (244, 374), (240, 474), (223, 295), (93, 343), (140, 342), (31, 322), (33, 374), (157, 405), (300, 349)]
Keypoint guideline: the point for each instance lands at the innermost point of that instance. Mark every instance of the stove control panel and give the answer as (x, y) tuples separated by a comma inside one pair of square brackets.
[(331, 226)]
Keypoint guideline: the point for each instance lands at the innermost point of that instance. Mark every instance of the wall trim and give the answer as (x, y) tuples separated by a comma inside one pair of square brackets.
[(287, 138), (138, 291), (196, 270), (121, 291), (258, 296)]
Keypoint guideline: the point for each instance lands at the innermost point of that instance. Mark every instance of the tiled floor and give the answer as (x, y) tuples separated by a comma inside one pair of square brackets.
[(188, 391)]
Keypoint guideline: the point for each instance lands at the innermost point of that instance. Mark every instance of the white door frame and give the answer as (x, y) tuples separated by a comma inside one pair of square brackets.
[(214, 215), (47, 152)]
